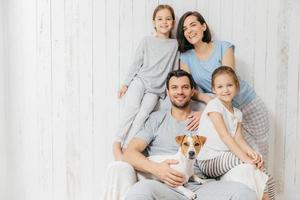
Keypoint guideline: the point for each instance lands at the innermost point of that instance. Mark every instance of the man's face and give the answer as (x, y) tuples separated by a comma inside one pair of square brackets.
[(180, 91)]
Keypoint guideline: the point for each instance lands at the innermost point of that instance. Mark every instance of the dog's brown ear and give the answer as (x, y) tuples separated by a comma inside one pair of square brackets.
[(179, 139), (202, 139)]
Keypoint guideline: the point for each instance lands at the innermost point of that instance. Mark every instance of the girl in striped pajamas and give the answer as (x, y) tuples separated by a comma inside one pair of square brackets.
[(220, 122)]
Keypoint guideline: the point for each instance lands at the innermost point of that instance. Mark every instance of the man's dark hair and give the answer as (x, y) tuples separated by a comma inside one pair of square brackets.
[(180, 73)]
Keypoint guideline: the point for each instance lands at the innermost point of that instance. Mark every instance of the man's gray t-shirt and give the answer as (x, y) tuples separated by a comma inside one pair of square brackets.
[(160, 131)]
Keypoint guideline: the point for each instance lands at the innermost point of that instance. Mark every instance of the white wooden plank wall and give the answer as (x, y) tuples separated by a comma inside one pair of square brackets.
[(62, 62), (2, 108)]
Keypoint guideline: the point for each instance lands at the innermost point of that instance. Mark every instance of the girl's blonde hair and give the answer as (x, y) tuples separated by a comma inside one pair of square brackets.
[(225, 70), (161, 7)]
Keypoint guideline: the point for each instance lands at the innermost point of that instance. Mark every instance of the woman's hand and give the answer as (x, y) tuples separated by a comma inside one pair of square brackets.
[(122, 91), (204, 97), (194, 119)]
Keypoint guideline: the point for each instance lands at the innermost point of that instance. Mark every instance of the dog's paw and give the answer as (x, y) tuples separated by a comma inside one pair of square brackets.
[(201, 180), (194, 196)]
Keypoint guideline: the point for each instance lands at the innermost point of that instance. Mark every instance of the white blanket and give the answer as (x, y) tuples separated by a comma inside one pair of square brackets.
[(250, 176)]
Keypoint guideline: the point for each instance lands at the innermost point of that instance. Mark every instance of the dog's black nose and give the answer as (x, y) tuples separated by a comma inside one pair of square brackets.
[(191, 153)]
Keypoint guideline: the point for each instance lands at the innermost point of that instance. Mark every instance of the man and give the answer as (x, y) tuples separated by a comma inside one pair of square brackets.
[(158, 138)]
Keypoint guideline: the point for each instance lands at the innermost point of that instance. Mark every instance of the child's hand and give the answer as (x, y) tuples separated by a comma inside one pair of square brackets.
[(252, 154), (248, 161), (118, 156), (122, 91), (257, 159), (118, 151), (261, 163)]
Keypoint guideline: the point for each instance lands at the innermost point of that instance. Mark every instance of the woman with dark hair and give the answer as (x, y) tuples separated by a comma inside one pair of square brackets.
[(200, 55)]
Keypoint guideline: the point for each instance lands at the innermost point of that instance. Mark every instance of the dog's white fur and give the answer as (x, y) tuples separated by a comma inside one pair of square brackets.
[(185, 156)]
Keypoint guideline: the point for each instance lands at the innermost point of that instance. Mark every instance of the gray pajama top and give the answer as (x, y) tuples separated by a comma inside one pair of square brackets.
[(153, 60)]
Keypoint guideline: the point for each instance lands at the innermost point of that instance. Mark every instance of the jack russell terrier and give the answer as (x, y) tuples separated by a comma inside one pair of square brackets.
[(189, 148)]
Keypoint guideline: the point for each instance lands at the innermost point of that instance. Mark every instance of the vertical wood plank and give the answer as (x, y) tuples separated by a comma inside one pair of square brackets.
[(247, 40), (3, 87), (150, 6), (23, 137), (242, 37), (125, 52), (260, 42), (281, 96), (102, 153), (44, 99), (272, 64), (291, 181), (59, 100), (181, 7), (112, 67), (213, 19), (86, 89), (14, 79), (72, 89), (21, 109), (226, 20), (139, 18)]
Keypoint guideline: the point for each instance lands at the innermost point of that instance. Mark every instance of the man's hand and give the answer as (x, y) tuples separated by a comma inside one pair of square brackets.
[(168, 175), (194, 119), (122, 91)]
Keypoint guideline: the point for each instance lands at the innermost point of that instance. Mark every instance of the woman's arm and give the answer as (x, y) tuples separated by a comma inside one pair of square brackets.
[(200, 96), (228, 58), (221, 129), (184, 67)]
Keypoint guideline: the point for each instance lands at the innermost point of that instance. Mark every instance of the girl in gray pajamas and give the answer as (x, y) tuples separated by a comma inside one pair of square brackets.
[(144, 84), (220, 122)]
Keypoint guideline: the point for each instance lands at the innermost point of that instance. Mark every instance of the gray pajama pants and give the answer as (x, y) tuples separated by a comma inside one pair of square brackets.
[(217, 190), (220, 165), (256, 126), (120, 184), (138, 104)]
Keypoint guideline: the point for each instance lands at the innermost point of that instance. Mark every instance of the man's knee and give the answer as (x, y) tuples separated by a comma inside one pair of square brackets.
[(122, 170), (142, 190), (150, 190), (244, 193), (120, 167)]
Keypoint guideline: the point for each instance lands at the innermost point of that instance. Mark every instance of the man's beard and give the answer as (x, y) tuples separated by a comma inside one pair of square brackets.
[(186, 104)]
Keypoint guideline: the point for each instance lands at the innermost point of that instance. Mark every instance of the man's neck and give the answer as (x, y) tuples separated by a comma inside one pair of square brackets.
[(180, 114)]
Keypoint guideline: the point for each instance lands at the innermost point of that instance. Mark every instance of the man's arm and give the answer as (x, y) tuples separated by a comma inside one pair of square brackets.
[(133, 155)]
